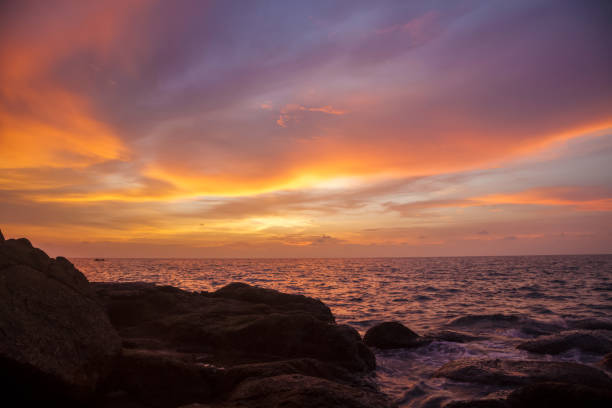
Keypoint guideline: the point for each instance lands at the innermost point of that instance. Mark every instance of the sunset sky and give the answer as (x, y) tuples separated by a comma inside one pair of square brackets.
[(306, 129)]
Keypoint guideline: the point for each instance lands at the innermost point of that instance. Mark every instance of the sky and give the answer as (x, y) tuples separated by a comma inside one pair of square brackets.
[(306, 129)]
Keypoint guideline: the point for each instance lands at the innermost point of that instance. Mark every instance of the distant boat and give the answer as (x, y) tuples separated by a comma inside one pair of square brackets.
[(98, 259)]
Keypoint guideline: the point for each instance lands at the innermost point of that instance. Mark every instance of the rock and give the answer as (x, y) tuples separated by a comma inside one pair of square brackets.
[(501, 321), (481, 403), (590, 341), (522, 372), (56, 341), (606, 362), (276, 299), (451, 336), (305, 366), (390, 335), (591, 324), (1, 237), (162, 379), (296, 390), (232, 330), (559, 395)]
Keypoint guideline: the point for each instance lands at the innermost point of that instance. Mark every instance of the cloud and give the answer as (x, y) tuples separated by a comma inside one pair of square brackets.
[(294, 113)]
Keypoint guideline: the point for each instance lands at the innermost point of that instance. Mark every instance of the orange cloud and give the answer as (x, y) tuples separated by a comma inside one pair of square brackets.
[(579, 198)]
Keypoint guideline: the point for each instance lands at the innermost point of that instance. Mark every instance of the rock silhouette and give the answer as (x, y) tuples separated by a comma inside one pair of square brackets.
[(55, 338), (391, 335)]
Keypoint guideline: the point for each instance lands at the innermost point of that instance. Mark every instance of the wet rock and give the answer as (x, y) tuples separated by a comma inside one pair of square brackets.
[(451, 336), (233, 330), (517, 372), (599, 342), (56, 341), (276, 299), (302, 391), (391, 335), (162, 379), (501, 321), (559, 395), (591, 324)]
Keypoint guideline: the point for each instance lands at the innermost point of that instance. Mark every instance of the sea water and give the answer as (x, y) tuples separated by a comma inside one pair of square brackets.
[(425, 294)]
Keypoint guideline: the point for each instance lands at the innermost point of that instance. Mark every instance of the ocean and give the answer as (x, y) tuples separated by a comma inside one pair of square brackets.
[(502, 300)]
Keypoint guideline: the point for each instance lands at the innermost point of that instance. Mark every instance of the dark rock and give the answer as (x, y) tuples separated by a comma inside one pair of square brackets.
[(162, 379), (501, 321), (517, 372), (481, 403), (451, 336), (305, 366), (55, 342), (590, 341), (276, 299), (296, 390), (591, 324), (390, 335), (233, 330), (559, 395), (1, 237)]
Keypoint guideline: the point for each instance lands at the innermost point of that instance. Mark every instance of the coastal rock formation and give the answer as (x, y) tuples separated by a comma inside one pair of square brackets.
[(545, 395), (391, 335), (599, 342), (275, 299), (502, 321), (559, 395), (517, 372), (55, 339), (296, 390), (591, 324), (230, 330)]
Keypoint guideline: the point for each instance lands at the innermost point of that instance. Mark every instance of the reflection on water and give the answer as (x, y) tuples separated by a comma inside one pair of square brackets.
[(423, 293)]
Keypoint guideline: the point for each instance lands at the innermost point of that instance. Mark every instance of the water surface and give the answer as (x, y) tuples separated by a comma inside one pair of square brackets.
[(425, 294)]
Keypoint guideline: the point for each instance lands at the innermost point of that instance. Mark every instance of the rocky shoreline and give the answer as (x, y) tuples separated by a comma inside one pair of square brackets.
[(67, 342)]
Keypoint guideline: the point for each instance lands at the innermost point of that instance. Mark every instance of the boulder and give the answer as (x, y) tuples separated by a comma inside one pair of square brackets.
[(479, 403), (501, 321), (591, 324), (391, 335), (599, 342), (305, 366), (294, 390), (522, 372), (56, 341), (232, 330), (162, 379), (275, 299), (559, 395)]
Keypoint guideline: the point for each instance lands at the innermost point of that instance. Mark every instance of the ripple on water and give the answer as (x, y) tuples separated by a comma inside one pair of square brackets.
[(503, 300)]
